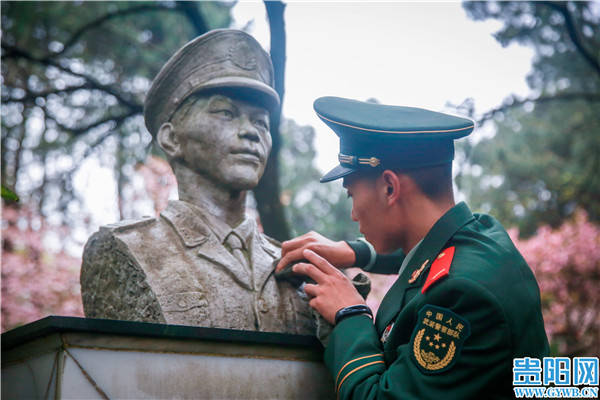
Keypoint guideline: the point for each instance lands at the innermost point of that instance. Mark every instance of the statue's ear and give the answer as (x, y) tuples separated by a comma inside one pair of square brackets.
[(168, 141)]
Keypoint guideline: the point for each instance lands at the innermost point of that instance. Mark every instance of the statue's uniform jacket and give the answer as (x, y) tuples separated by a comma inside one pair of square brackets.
[(465, 306), (173, 269)]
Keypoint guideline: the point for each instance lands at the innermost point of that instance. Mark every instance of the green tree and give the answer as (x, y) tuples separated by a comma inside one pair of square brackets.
[(311, 205), (542, 162), (74, 79)]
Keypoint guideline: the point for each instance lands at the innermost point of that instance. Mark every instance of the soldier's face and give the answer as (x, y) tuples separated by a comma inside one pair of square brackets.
[(225, 139), (369, 209)]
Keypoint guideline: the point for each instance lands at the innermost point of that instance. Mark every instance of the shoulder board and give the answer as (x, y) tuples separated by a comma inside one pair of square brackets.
[(127, 224), (271, 246), (440, 268), (271, 241)]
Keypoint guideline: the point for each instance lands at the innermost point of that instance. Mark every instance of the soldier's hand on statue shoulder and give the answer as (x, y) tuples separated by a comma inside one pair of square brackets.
[(333, 290), (338, 254)]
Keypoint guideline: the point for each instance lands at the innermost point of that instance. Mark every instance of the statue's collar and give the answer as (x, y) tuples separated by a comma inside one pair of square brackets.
[(187, 224), (193, 224)]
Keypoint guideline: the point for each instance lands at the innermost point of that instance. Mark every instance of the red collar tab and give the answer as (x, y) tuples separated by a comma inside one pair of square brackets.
[(439, 268)]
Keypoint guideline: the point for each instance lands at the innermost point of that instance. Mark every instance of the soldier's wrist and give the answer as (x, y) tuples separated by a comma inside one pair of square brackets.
[(364, 253), (358, 309)]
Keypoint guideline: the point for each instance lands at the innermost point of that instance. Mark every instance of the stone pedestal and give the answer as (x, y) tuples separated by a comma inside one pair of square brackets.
[(68, 358)]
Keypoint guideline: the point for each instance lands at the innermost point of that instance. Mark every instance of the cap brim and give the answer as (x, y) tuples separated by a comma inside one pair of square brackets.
[(264, 93), (336, 173)]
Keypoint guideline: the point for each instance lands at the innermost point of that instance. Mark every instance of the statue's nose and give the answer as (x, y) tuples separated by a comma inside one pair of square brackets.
[(248, 130)]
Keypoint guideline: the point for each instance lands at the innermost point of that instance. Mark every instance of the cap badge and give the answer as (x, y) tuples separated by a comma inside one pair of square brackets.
[(416, 273)]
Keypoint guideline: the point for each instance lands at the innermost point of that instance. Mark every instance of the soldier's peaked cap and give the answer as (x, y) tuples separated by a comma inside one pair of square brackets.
[(389, 137), (219, 59)]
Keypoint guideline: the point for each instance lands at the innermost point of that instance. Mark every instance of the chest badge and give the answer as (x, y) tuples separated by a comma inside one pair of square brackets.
[(386, 333), (416, 273), (438, 339)]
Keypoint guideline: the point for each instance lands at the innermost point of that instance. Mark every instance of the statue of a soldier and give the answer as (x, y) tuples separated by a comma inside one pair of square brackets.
[(202, 262)]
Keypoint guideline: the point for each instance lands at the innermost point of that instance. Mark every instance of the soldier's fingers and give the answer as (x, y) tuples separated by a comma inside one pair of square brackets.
[(311, 290), (311, 271), (320, 262), (288, 258), (291, 250), (296, 243)]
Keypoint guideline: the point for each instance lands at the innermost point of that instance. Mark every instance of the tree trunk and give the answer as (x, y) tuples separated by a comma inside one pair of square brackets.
[(268, 192)]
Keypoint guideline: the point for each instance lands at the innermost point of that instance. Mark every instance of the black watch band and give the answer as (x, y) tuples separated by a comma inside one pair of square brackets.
[(352, 310)]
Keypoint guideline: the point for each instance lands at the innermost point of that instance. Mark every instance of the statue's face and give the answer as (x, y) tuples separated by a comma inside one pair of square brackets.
[(225, 139)]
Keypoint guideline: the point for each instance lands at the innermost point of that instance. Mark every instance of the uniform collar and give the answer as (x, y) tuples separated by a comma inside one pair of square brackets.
[(244, 231), (190, 228), (431, 245), (409, 257), (193, 230), (441, 232), (221, 229)]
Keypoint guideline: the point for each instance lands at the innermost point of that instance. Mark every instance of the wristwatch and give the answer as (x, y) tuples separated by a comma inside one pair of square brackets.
[(352, 310)]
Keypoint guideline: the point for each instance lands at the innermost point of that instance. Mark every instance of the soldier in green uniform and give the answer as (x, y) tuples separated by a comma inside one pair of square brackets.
[(465, 303)]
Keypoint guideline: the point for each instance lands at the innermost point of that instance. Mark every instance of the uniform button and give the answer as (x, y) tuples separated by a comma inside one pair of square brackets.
[(262, 305)]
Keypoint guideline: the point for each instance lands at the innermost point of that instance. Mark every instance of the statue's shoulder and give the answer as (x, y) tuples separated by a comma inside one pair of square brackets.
[(113, 283), (269, 240), (114, 238), (128, 224), (271, 246)]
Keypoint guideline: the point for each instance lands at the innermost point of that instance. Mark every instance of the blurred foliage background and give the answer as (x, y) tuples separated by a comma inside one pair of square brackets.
[(74, 76)]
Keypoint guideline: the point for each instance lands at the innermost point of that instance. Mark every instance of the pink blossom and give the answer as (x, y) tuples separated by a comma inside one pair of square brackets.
[(159, 181), (36, 282)]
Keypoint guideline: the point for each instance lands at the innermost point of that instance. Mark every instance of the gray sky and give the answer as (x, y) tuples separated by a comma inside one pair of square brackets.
[(421, 54), (400, 53)]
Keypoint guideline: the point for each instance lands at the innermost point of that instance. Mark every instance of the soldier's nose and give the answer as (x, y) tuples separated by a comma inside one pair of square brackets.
[(353, 215)]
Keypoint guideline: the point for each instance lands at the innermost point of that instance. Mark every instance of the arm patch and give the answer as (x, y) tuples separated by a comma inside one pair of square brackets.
[(438, 338)]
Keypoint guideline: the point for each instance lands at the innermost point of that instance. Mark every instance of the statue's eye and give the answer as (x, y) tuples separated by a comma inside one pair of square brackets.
[(224, 113), (262, 123)]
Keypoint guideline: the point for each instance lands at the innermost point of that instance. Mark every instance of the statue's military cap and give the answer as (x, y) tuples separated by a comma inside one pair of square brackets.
[(219, 59), (389, 137)]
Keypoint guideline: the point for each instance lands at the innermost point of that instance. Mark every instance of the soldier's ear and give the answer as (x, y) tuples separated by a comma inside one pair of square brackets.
[(168, 141), (392, 186)]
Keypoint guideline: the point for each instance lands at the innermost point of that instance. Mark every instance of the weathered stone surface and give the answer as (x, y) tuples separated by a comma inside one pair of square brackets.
[(77, 358), (202, 262), (173, 269)]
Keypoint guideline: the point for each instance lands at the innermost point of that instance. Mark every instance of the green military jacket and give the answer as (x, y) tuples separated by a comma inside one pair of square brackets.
[(466, 304)]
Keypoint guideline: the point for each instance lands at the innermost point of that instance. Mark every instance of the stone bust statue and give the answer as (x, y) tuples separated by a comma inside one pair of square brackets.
[(202, 261)]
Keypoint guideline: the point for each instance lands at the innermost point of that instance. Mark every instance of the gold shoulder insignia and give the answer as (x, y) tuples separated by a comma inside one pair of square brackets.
[(416, 273), (438, 339)]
